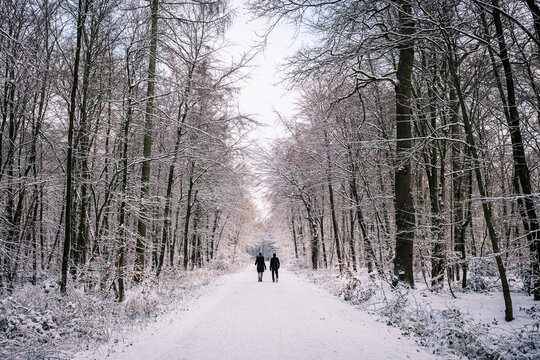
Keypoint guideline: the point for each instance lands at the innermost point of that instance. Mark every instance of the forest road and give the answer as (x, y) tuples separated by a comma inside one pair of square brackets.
[(241, 318)]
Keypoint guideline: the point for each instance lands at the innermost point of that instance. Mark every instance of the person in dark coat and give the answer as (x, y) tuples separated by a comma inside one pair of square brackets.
[(261, 266), (274, 266)]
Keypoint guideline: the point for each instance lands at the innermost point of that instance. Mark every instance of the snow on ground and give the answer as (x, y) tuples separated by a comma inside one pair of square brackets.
[(241, 318), (37, 322), (469, 326)]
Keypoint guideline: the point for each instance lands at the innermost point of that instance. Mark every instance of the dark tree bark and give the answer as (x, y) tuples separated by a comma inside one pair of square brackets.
[(122, 211), (535, 10), (81, 19), (404, 208), (426, 129), (518, 151), (371, 257), (189, 206), (183, 110), (217, 216), (335, 226), (312, 224), (82, 149), (175, 232), (293, 227), (196, 237), (352, 239), (486, 206), (322, 238), (147, 143), (459, 179)]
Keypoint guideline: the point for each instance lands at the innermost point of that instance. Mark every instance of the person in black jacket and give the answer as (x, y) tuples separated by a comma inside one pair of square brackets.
[(261, 266), (274, 266)]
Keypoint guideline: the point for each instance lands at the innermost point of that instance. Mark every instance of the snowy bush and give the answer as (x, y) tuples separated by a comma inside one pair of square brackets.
[(38, 317), (218, 265), (36, 322), (477, 283), (142, 303), (394, 308), (447, 331), (352, 290), (17, 321)]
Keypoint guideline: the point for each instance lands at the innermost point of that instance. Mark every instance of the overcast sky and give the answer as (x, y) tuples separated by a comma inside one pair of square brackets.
[(262, 93)]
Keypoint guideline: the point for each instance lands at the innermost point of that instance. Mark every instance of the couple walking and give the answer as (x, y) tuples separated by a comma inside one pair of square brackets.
[(261, 266)]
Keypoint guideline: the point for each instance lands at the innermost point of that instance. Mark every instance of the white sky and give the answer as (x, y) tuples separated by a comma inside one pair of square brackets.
[(262, 94)]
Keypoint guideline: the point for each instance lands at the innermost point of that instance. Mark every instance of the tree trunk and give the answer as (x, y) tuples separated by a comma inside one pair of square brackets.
[(371, 257), (81, 19), (518, 151), (352, 240), (189, 206), (175, 233), (293, 226), (403, 201), (195, 236), (535, 10), (82, 148), (183, 110), (335, 226), (322, 239), (458, 185), (427, 129), (140, 247), (123, 203), (313, 232), (486, 206), (217, 215)]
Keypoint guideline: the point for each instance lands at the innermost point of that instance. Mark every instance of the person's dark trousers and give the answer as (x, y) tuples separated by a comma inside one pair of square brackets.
[(276, 272), (260, 276)]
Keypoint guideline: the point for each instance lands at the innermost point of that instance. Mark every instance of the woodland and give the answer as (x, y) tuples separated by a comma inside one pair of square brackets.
[(415, 148), (413, 156)]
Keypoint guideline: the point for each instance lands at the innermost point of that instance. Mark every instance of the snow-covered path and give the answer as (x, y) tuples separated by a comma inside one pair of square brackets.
[(243, 319)]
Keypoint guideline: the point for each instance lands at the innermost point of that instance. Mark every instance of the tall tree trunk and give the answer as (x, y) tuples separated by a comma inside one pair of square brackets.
[(403, 201), (335, 226), (322, 238), (371, 257), (352, 239), (9, 168), (189, 206), (175, 233), (427, 128), (535, 10), (217, 215), (81, 19), (122, 211), (140, 247), (458, 185), (518, 151), (293, 226), (82, 149), (195, 237), (313, 232), (486, 206), (183, 110)]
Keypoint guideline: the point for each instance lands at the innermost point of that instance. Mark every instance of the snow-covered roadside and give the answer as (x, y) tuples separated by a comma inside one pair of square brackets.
[(470, 326), (36, 322)]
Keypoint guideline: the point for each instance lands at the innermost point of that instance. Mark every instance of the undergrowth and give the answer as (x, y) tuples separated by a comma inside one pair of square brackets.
[(447, 332), (37, 322)]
